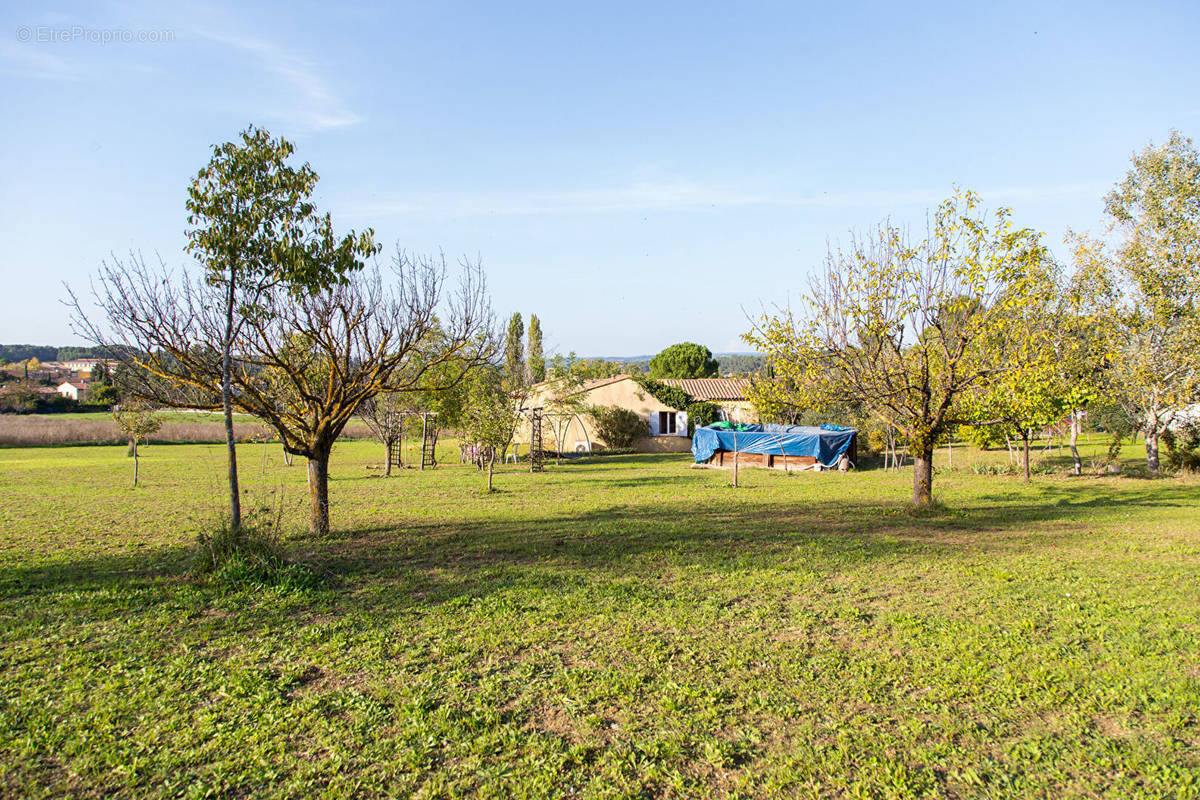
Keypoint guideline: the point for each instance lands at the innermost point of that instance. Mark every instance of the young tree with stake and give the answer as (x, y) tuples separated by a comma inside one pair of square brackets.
[(254, 228), (137, 420), (490, 416)]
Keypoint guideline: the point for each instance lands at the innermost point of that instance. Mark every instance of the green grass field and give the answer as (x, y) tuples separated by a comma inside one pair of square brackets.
[(625, 627)]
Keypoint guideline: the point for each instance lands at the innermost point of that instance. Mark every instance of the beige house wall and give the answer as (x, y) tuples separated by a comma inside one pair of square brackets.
[(622, 393)]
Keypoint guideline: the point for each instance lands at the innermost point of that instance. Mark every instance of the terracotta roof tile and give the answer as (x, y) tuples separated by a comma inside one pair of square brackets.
[(712, 388)]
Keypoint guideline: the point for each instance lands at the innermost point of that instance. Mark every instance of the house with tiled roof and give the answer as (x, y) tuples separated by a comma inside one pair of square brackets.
[(73, 389), (666, 426)]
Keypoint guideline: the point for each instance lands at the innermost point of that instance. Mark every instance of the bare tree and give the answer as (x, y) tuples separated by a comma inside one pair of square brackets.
[(304, 363), (384, 415)]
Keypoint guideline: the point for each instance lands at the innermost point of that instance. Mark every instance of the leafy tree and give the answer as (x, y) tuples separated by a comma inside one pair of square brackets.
[(561, 366), (1052, 357), (18, 397), (100, 374), (101, 394), (906, 328), (490, 416), (137, 420), (1156, 362), (537, 358), (684, 360), (1087, 328), (1022, 401), (514, 358), (253, 230)]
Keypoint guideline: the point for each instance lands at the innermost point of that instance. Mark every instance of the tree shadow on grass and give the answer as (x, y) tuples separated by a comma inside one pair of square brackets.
[(423, 563), (628, 542)]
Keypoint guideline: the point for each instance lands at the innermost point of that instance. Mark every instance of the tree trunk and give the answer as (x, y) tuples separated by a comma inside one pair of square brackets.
[(1152, 451), (387, 455), (235, 500), (923, 478), (1025, 446), (1078, 464), (133, 447), (318, 490), (491, 464)]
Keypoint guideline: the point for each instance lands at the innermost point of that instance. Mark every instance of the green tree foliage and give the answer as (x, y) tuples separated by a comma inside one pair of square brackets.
[(905, 328), (740, 365), (23, 352), (684, 360), (514, 354), (1041, 382), (490, 416), (101, 375), (584, 369), (537, 356), (1155, 368), (618, 427), (101, 394), (137, 420), (253, 229), (18, 397)]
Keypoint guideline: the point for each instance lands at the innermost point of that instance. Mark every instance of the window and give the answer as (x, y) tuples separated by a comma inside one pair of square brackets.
[(666, 423)]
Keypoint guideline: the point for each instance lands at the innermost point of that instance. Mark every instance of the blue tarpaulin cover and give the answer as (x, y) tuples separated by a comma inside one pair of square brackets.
[(826, 444)]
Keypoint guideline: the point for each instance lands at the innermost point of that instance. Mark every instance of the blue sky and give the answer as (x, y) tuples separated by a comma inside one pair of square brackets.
[(636, 174)]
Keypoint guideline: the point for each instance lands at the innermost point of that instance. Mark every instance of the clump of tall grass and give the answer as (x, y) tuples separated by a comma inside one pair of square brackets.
[(252, 556)]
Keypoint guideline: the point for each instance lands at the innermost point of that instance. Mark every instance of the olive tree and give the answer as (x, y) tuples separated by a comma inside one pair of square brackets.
[(906, 328)]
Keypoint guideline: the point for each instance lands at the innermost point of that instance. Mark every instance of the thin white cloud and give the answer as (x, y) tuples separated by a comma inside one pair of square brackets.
[(646, 196), (315, 105), (34, 60)]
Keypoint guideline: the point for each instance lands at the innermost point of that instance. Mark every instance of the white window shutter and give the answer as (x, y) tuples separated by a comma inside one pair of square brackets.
[(654, 423), (681, 423)]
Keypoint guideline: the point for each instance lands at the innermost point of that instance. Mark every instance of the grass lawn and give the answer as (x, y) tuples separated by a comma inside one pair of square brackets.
[(625, 627)]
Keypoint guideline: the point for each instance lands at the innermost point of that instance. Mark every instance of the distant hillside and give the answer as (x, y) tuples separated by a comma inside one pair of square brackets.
[(731, 363), (635, 359), (42, 352)]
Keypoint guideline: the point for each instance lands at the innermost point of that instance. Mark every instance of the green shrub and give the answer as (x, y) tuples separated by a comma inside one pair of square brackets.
[(1182, 448), (702, 413), (667, 395), (618, 427), (984, 437), (1114, 448)]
